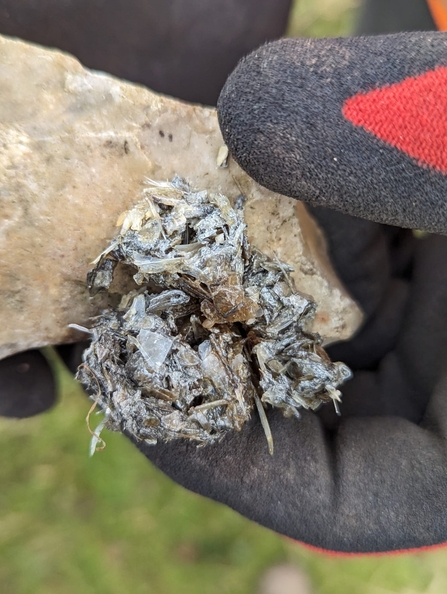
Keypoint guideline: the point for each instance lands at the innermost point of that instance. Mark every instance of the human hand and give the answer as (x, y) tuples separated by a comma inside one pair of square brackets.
[(374, 479)]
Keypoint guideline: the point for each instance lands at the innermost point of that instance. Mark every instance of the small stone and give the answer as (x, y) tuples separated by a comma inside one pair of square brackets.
[(285, 579)]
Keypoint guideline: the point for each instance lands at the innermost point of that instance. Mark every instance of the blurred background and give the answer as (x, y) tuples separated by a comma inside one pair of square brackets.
[(113, 524)]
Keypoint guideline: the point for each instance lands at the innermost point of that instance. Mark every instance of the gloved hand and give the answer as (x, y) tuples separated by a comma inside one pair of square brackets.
[(177, 48), (359, 125), (370, 481), (27, 384)]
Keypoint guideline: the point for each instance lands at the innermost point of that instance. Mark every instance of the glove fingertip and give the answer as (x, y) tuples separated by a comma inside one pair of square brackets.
[(27, 385), (337, 123)]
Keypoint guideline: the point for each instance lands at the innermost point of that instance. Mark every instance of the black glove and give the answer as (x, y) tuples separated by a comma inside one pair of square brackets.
[(315, 119), (178, 47), (183, 48), (27, 385)]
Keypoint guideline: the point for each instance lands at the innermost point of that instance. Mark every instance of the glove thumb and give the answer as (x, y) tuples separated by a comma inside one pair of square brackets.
[(355, 124)]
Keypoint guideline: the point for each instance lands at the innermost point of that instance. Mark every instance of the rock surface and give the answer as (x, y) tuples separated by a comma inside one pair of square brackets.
[(76, 147)]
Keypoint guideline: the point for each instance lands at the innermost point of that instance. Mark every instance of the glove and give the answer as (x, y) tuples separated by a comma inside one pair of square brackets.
[(27, 384), (392, 16), (178, 48), (359, 125)]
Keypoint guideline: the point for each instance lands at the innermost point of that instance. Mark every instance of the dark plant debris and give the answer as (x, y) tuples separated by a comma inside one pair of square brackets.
[(214, 328)]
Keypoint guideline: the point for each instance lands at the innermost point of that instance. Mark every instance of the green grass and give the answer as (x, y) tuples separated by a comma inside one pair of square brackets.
[(322, 18), (113, 524)]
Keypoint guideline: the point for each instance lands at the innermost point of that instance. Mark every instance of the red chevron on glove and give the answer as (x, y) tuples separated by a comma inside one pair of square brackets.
[(410, 115)]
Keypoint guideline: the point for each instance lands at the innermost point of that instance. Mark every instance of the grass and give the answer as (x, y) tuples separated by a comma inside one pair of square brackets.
[(322, 18), (113, 524)]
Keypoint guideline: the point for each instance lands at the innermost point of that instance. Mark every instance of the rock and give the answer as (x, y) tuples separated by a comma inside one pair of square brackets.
[(76, 147)]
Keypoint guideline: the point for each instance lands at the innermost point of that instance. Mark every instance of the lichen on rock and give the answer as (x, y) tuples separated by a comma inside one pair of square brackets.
[(214, 327)]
